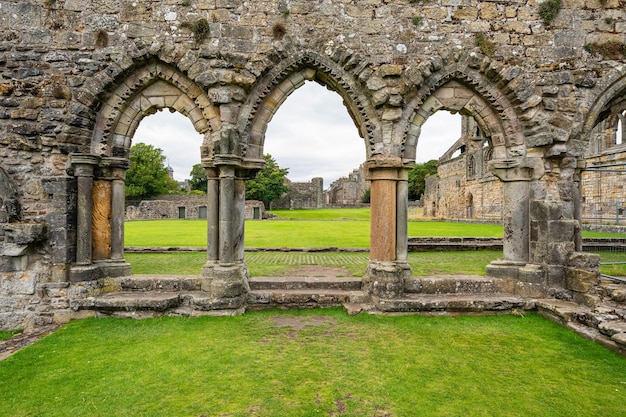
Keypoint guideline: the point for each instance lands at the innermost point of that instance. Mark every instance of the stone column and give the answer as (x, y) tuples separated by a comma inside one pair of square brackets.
[(225, 274), (84, 166), (239, 211), (213, 217), (388, 265), (108, 217), (226, 215), (118, 209), (516, 176), (402, 216), (101, 220)]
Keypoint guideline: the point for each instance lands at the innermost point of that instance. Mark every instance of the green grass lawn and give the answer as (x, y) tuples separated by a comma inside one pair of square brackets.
[(341, 228), (279, 263), (7, 335), (310, 363), (289, 233)]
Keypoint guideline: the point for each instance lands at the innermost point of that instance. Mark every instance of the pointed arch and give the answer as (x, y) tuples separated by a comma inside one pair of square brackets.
[(466, 92), (286, 77), (139, 93)]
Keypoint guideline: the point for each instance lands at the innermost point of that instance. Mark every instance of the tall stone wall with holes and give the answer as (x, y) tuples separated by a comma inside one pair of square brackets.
[(79, 75), (301, 195)]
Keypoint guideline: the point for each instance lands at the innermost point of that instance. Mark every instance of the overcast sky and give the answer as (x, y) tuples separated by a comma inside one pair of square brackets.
[(312, 135)]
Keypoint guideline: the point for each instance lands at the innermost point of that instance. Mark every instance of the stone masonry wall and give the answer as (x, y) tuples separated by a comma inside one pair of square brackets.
[(301, 195), (79, 75)]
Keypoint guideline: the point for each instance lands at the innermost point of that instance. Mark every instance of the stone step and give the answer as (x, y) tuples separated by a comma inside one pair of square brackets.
[(296, 283), (454, 303), (304, 298), (457, 284), (603, 324), (173, 283), (129, 301), (180, 303)]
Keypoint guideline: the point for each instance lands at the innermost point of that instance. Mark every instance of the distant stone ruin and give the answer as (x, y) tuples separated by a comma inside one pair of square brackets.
[(79, 76)]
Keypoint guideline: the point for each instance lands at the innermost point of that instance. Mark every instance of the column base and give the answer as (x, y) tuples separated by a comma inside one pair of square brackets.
[(111, 268), (222, 281), (80, 273), (528, 280), (386, 279)]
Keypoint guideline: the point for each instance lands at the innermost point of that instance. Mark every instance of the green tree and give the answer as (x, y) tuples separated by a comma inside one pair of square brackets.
[(148, 176), (417, 178), (269, 183), (198, 180)]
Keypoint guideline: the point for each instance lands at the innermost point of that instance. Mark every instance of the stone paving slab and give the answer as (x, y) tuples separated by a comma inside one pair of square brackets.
[(130, 301), (456, 284), (470, 303), (268, 283)]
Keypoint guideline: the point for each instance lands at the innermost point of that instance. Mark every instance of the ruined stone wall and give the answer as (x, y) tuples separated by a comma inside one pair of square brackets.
[(79, 75), (302, 195), (347, 191), (181, 207)]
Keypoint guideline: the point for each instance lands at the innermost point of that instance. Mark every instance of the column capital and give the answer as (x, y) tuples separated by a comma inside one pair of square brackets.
[(113, 168), (386, 167), (522, 169), (84, 164)]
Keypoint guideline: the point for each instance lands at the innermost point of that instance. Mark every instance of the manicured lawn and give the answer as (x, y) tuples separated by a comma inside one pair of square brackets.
[(278, 263), (308, 363), (289, 233), (341, 228)]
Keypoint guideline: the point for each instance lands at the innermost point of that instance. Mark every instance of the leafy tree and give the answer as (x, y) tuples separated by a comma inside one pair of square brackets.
[(148, 176), (417, 178), (269, 183), (198, 179), (365, 198)]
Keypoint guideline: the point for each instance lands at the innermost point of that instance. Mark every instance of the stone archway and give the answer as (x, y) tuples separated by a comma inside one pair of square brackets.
[(237, 155), (465, 91), (101, 173)]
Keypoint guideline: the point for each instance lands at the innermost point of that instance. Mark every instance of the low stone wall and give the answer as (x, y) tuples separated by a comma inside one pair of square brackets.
[(184, 207), (604, 228)]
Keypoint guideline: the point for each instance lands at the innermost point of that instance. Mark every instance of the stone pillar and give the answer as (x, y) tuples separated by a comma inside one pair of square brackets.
[(84, 166), (388, 267), (118, 210), (516, 176), (101, 220), (213, 228), (515, 220), (226, 215), (402, 216), (225, 274), (239, 214)]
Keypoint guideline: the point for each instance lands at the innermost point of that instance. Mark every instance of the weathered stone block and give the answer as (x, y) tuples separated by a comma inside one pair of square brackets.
[(581, 280)]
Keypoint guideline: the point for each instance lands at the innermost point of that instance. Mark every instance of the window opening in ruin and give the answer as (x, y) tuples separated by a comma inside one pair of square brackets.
[(180, 143), (313, 136), (439, 135), (619, 133), (441, 131), (471, 167)]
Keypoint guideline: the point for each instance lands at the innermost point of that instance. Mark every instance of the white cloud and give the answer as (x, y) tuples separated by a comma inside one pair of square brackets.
[(175, 135), (312, 135)]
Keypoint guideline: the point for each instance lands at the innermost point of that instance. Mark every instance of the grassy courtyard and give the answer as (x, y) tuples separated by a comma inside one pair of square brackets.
[(314, 363), (339, 228)]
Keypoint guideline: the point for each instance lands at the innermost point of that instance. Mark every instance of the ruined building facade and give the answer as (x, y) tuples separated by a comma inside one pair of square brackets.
[(78, 76), (347, 191), (465, 188)]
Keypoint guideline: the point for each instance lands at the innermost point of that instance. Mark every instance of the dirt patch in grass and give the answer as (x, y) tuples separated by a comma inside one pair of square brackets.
[(316, 271), (299, 323)]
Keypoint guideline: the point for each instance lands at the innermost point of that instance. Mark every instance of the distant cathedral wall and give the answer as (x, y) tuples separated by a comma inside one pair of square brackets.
[(302, 195)]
